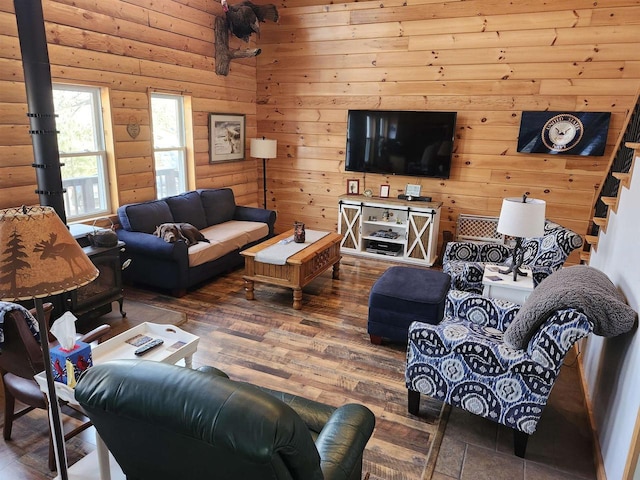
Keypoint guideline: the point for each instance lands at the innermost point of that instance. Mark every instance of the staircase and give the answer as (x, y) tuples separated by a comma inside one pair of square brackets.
[(618, 177)]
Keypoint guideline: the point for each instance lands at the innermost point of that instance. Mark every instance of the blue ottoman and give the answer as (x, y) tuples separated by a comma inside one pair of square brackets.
[(403, 295)]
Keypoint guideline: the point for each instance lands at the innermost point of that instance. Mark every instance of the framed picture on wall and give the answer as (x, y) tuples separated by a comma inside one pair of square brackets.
[(564, 133), (353, 186), (226, 137), (384, 191)]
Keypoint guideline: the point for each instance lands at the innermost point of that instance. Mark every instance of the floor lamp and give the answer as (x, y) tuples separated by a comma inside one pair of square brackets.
[(521, 218), (40, 258), (264, 148)]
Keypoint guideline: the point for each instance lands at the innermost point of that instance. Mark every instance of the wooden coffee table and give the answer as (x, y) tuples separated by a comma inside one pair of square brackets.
[(300, 268)]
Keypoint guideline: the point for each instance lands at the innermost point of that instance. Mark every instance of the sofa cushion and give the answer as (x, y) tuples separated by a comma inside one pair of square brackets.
[(187, 208), (225, 238), (144, 217), (219, 205)]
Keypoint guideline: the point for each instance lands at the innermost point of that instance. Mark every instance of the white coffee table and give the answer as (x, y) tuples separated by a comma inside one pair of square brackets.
[(178, 345), (502, 286)]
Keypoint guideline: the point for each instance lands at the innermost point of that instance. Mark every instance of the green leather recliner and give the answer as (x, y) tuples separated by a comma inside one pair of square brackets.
[(162, 421)]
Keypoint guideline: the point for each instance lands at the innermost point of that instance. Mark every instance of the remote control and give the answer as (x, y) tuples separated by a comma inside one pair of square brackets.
[(148, 346)]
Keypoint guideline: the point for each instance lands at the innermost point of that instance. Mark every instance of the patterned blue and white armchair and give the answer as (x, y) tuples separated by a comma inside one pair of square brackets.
[(465, 362), (500, 360), (465, 261)]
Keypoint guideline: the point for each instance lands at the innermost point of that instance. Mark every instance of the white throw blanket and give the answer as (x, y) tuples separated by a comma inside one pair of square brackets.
[(277, 254)]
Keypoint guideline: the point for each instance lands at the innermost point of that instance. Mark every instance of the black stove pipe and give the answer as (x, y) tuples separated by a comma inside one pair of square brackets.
[(37, 79)]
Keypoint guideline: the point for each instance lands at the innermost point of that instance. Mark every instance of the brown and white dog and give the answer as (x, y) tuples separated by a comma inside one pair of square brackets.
[(172, 232)]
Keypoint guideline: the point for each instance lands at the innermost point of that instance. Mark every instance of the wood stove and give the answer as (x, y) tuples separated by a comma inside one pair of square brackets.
[(95, 298)]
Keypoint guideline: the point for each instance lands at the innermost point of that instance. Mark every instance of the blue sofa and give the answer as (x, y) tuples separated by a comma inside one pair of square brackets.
[(229, 228)]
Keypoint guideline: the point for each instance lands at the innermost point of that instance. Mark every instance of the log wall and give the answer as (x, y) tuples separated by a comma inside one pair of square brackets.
[(486, 59), (133, 48)]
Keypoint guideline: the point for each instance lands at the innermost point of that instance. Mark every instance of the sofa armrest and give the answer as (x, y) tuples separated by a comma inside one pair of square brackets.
[(148, 244), (255, 214), (555, 337), (343, 440)]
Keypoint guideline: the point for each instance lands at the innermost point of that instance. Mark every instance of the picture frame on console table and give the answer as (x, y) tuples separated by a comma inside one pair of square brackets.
[(353, 186), (226, 137), (384, 191)]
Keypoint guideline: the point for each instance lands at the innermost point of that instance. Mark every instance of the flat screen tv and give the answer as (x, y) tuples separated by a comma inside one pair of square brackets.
[(412, 143)]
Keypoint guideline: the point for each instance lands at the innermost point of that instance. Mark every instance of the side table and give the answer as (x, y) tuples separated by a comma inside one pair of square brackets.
[(502, 286), (178, 345)]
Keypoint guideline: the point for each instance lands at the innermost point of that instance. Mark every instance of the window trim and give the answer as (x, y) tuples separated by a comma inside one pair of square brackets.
[(100, 140), (181, 102)]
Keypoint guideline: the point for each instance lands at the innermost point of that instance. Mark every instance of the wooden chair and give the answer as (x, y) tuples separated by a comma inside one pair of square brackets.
[(20, 360)]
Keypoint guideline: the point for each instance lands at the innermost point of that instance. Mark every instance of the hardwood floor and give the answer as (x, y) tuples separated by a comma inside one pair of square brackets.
[(323, 352)]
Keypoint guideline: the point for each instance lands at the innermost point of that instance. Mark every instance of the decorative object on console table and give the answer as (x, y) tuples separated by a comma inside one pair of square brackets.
[(412, 191), (298, 232), (353, 186), (384, 191), (521, 218), (264, 148), (569, 133), (226, 137), (42, 259)]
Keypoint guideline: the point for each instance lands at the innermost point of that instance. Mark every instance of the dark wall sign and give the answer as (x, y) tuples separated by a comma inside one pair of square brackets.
[(569, 133)]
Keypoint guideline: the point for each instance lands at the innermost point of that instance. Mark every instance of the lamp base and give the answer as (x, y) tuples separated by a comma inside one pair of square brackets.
[(516, 262), (516, 270)]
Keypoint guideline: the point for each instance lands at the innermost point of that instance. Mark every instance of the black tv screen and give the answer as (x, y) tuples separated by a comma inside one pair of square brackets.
[(413, 143)]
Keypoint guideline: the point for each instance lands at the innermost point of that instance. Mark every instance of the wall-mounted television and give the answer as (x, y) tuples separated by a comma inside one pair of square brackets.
[(412, 143)]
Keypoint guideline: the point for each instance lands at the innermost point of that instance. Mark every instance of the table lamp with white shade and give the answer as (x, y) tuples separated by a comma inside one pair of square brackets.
[(39, 258), (264, 148), (521, 218)]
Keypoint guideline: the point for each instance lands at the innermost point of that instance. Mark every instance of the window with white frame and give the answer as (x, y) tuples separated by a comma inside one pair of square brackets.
[(169, 145), (83, 156)]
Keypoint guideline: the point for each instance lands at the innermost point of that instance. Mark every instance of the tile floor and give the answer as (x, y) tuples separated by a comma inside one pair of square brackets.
[(474, 448)]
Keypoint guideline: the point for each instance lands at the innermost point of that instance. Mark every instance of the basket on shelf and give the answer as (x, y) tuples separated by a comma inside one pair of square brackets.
[(103, 237)]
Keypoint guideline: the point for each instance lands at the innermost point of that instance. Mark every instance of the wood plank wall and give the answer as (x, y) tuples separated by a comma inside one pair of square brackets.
[(133, 48), (487, 59)]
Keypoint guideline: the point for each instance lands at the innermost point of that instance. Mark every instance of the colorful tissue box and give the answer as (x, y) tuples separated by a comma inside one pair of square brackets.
[(80, 357)]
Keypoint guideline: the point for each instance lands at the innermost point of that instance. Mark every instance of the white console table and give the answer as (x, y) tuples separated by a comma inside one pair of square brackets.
[(178, 345), (388, 228)]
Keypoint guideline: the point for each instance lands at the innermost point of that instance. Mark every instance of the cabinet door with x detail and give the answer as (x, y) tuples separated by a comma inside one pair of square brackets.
[(422, 236), (349, 225)]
